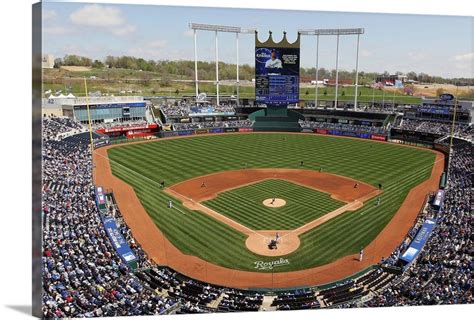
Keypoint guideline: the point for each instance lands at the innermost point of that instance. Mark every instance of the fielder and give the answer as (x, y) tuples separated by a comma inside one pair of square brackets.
[(361, 254)]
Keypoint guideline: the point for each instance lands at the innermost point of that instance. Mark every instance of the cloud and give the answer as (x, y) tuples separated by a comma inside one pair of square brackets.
[(57, 31), (417, 56), (123, 31), (48, 14), (464, 57), (188, 33), (365, 53), (157, 44), (107, 18)]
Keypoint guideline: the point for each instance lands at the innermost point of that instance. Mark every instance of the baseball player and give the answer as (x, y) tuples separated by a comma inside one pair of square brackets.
[(273, 62), (361, 254), (170, 204)]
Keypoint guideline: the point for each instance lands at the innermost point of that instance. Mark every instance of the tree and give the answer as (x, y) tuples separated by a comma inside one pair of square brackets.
[(165, 81), (58, 62), (325, 92), (343, 93), (307, 92), (97, 64), (177, 92)]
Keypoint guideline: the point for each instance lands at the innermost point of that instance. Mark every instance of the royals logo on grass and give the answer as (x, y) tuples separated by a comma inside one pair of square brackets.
[(262, 265)]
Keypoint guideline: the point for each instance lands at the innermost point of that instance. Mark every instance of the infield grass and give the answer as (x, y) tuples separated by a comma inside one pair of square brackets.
[(142, 166), (245, 206)]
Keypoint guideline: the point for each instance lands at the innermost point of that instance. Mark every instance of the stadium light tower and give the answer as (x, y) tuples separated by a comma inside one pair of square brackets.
[(337, 33), (216, 29)]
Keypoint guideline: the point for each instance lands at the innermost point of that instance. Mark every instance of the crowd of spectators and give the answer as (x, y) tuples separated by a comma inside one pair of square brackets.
[(82, 274), (440, 128), (342, 127), (217, 124), (442, 273), (59, 127), (183, 109), (128, 123)]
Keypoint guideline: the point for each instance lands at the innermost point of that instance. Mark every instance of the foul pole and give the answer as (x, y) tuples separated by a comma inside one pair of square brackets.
[(89, 116)]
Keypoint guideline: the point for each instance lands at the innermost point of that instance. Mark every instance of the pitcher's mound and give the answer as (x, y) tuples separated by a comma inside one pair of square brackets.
[(274, 203)]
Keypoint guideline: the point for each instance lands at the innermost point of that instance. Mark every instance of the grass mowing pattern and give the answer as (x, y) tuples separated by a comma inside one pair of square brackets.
[(244, 205), (398, 168)]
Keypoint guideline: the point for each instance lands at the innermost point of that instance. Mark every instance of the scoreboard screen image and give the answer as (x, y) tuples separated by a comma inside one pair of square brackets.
[(277, 75)]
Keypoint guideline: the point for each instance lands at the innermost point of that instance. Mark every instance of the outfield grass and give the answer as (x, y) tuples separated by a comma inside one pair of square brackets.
[(244, 205), (398, 168)]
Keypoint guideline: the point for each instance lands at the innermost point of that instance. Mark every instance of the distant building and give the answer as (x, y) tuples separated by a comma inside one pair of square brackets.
[(341, 82), (102, 109), (47, 61), (391, 79)]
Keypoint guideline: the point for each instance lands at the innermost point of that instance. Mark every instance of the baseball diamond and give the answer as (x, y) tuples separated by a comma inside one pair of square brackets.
[(215, 242)]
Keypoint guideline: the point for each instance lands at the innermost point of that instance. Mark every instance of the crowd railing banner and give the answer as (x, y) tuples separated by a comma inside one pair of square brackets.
[(438, 199), (419, 241), (100, 198), (118, 241)]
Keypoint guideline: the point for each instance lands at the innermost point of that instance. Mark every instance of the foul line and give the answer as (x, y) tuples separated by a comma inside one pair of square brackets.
[(188, 199)]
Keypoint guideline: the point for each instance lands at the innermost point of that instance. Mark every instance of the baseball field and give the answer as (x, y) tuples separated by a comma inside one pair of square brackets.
[(217, 184)]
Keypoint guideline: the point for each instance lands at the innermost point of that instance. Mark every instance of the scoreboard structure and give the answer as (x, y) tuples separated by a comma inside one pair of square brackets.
[(277, 82), (277, 67)]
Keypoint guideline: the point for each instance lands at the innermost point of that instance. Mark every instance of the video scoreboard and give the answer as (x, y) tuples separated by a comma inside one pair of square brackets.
[(277, 75)]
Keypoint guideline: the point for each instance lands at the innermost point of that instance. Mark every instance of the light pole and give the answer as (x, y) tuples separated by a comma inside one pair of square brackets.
[(217, 70), (337, 70), (317, 72), (337, 33), (195, 64), (216, 29), (357, 73), (237, 67)]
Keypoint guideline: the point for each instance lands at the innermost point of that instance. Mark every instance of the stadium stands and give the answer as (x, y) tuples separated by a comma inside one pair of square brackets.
[(184, 109), (343, 127), (434, 127), (209, 124), (83, 276)]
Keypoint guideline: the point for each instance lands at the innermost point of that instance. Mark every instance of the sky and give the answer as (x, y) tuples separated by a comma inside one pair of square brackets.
[(437, 45)]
